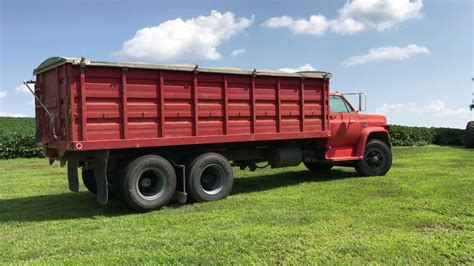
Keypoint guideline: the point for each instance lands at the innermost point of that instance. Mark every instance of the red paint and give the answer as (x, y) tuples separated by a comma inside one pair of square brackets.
[(253, 105), (195, 106), (226, 105), (161, 106), (112, 108), (124, 104), (278, 105), (302, 111), (83, 107), (345, 129), (350, 131)]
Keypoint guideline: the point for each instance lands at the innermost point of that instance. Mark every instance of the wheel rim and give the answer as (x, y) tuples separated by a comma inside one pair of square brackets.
[(375, 158), (212, 179), (151, 184)]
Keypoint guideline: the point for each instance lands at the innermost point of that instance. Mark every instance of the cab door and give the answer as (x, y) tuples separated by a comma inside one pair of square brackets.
[(345, 125)]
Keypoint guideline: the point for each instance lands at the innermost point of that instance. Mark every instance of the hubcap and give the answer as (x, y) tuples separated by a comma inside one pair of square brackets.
[(374, 159), (151, 185), (213, 178)]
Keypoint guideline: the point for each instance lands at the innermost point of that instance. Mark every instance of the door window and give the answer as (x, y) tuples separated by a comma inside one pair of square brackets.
[(338, 105)]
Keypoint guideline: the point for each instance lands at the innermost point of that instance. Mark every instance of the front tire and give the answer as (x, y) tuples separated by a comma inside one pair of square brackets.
[(209, 177), (377, 159), (469, 140), (148, 183)]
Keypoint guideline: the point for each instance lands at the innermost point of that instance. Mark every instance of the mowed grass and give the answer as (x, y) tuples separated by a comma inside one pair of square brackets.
[(421, 212)]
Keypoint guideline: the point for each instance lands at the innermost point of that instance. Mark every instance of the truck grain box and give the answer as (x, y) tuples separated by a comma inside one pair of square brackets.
[(147, 132)]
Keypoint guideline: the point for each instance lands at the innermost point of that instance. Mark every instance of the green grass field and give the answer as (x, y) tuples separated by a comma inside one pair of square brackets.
[(23, 125), (421, 212)]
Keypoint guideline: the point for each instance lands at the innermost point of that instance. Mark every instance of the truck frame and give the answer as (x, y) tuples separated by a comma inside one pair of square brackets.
[(147, 132)]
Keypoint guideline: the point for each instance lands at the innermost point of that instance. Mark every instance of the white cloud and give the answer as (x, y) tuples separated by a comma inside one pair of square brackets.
[(305, 67), (279, 22), (381, 14), (195, 38), (22, 88), (347, 26), (386, 53), (3, 94), (237, 52), (436, 108), (4, 114), (354, 17), (388, 108), (315, 25)]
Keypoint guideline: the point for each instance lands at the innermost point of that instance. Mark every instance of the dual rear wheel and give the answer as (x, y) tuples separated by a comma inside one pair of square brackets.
[(149, 182), (89, 180), (209, 177)]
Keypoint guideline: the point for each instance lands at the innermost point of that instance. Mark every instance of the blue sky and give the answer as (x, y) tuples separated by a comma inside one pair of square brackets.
[(413, 59)]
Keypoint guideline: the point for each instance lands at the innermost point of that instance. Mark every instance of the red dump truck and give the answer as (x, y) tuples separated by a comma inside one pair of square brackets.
[(148, 132)]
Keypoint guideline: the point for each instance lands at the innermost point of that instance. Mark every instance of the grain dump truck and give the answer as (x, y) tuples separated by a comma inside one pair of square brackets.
[(147, 132)]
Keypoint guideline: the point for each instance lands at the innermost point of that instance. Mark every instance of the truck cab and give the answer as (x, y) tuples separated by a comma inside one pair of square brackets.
[(358, 139)]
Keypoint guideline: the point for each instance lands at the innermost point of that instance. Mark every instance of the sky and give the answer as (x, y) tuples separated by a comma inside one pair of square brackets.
[(412, 58)]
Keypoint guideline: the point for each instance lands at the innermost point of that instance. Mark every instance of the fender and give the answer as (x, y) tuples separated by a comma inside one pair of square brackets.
[(365, 135)]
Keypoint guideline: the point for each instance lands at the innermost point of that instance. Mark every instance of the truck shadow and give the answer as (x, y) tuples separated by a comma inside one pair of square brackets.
[(267, 182), (83, 205), (62, 206)]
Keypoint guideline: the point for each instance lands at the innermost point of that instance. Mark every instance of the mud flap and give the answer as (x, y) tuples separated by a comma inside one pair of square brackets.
[(100, 174), (72, 176), (181, 196)]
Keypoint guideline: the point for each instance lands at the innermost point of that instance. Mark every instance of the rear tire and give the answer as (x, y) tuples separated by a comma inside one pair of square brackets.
[(469, 139), (209, 177), (318, 167), (88, 179), (148, 183), (377, 159), (90, 183)]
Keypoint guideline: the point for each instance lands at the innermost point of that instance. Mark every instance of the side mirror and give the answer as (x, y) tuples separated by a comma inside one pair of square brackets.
[(362, 101)]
